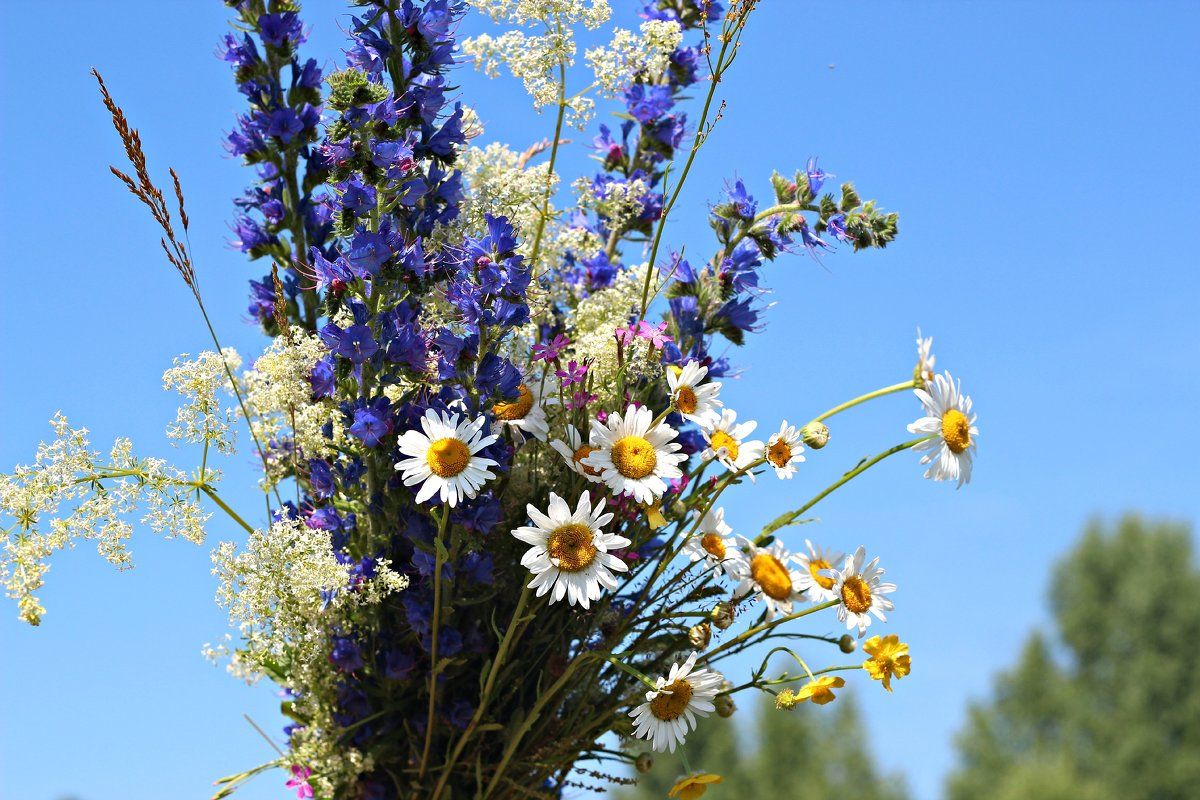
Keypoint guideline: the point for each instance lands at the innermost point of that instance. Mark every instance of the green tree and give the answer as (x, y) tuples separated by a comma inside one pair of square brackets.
[(815, 752), (1111, 708)]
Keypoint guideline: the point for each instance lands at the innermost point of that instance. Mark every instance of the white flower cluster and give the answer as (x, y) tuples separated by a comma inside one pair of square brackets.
[(284, 590), (202, 419), (618, 201), (105, 493), (596, 319), (502, 186), (629, 55)]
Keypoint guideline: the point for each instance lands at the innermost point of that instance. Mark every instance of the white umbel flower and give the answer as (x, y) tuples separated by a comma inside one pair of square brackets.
[(570, 554), (573, 451), (768, 572), (694, 401), (861, 592), (441, 457), (671, 709), (726, 442), (712, 544), (525, 414), (784, 450), (633, 457), (948, 417), (816, 576)]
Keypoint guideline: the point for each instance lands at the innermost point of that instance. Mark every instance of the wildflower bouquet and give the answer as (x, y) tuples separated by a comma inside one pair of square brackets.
[(494, 412)]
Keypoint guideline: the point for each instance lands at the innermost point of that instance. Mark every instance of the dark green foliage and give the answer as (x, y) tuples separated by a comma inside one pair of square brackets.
[(1118, 716), (811, 752)]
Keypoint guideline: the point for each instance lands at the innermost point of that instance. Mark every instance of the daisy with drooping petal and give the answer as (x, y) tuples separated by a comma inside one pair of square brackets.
[(784, 449), (569, 553), (694, 401), (861, 592), (925, 359), (949, 419), (441, 457), (726, 442), (816, 579), (574, 451), (888, 657), (525, 414), (634, 456), (711, 545), (671, 708), (767, 571)]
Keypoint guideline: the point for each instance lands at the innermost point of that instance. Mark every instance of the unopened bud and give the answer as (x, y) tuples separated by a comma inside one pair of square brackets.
[(785, 700), (699, 635), (725, 705), (847, 643), (678, 509), (722, 615), (815, 435), (644, 763)]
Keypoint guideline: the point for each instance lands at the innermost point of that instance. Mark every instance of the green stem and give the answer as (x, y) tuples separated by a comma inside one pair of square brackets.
[(212, 495), (766, 626), (439, 547), (896, 387), (562, 108)]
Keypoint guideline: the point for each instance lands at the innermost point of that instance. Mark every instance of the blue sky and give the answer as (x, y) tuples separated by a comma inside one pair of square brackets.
[(1043, 160)]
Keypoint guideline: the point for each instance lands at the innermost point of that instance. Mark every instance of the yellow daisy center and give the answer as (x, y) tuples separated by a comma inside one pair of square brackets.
[(814, 568), (771, 576), (571, 546), (669, 706), (448, 457), (516, 409), (582, 452), (634, 457), (956, 430), (779, 453), (685, 400), (713, 544), (722, 439), (856, 595)]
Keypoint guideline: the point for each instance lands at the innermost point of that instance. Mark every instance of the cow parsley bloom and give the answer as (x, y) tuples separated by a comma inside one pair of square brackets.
[(784, 449), (442, 457), (634, 456), (569, 553), (816, 580), (949, 420), (713, 545), (726, 442), (861, 592), (767, 571), (574, 451), (671, 709), (695, 402)]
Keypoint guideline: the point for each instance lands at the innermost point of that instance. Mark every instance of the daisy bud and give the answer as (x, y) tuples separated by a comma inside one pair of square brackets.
[(699, 635), (785, 700), (644, 763), (847, 643), (815, 435), (725, 706), (722, 615)]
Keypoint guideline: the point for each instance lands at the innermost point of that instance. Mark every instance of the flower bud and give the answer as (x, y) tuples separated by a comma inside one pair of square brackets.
[(847, 643), (815, 435), (725, 705), (722, 615), (644, 763), (699, 635)]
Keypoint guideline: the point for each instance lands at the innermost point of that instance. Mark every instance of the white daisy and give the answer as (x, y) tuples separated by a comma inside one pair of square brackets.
[(948, 416), (726, 442), (570, 553), (694, 401), (671, 709), (816, 578), (711, 544), (861, 592), (767, 571), (925, 359), (442, 457), (633, 457), (573, 451), (525, 414), (784, 449)]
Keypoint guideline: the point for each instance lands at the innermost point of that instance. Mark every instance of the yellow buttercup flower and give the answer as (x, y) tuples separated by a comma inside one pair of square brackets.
[(692, 786), (820, 690), (889, 656)]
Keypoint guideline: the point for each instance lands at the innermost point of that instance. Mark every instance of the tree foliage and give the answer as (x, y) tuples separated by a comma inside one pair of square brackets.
[(1111, 707)]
